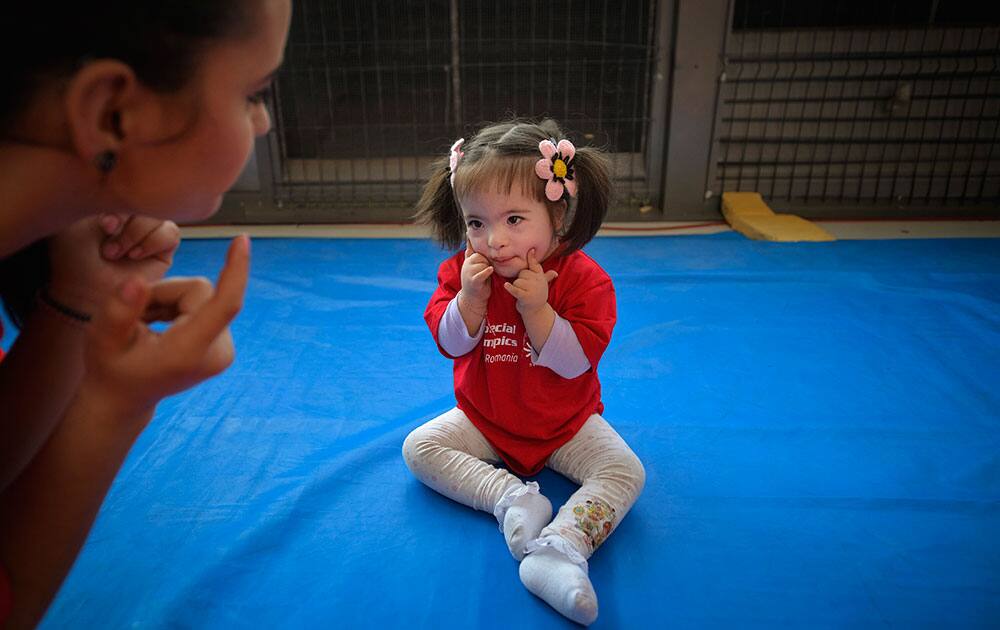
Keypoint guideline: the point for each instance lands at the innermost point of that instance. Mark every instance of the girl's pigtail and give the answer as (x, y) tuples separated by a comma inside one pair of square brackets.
[(438, 209), (592, 173)]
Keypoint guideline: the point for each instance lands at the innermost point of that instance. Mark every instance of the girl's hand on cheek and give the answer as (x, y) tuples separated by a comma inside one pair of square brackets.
[(129, 363), (531, 288), (476, 286)]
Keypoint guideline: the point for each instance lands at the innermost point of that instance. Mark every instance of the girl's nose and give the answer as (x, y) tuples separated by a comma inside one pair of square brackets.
[(495, 239)]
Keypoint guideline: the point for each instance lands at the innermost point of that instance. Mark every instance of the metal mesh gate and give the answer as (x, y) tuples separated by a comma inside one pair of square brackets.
[(373, 90), (838, 106)]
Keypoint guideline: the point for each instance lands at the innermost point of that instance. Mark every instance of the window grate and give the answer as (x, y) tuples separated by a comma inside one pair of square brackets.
[(370, 92), (894, 111)]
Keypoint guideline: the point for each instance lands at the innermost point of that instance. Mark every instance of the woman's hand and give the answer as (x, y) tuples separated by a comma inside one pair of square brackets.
[(135, 366), (94, 256)]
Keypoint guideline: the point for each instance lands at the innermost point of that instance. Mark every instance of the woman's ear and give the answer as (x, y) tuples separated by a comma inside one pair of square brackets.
[(95, 99), (111, 114)]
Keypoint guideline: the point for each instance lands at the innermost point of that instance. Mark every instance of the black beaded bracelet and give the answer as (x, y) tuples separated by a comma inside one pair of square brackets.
[(62, 309)]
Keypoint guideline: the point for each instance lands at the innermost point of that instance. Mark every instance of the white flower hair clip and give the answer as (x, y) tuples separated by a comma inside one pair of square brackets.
[(557, 167), (454, 155)]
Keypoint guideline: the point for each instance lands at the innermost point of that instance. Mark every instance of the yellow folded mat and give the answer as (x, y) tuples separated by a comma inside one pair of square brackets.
[(749, 215)]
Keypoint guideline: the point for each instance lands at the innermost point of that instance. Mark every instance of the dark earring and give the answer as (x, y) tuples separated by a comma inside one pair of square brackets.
[(106, 161)]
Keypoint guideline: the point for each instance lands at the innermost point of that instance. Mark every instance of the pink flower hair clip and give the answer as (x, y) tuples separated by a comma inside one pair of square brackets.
[(557, 168), (454, 155)]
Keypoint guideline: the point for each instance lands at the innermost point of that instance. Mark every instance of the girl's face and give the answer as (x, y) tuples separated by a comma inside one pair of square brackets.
[(504, 227), (218, 116)]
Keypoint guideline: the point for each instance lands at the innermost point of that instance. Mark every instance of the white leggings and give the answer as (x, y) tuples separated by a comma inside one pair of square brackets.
[(450, 455)]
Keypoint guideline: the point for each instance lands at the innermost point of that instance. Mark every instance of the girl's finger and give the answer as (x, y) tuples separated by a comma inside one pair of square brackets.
[(533, 262), (517, 292), (483, 275)]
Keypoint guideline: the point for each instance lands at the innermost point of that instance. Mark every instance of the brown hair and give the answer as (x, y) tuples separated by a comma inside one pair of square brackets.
[(161, 41), (503, 155)]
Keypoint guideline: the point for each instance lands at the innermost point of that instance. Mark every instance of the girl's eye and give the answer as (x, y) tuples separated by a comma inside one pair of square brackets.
[(259, 97), (514, 220), (474, 224)]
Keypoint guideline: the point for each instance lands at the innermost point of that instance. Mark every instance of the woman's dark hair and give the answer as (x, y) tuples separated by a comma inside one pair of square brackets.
[(160, 39), (503, 155)]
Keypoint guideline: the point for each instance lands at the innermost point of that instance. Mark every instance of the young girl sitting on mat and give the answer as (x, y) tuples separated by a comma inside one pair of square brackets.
[(526, 317)]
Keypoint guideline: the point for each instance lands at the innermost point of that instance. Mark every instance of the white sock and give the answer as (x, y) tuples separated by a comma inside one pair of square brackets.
[(557, 573), (522, 513)]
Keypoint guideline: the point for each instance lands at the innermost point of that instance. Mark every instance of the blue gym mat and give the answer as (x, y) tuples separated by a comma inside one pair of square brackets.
[(820, 425)]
